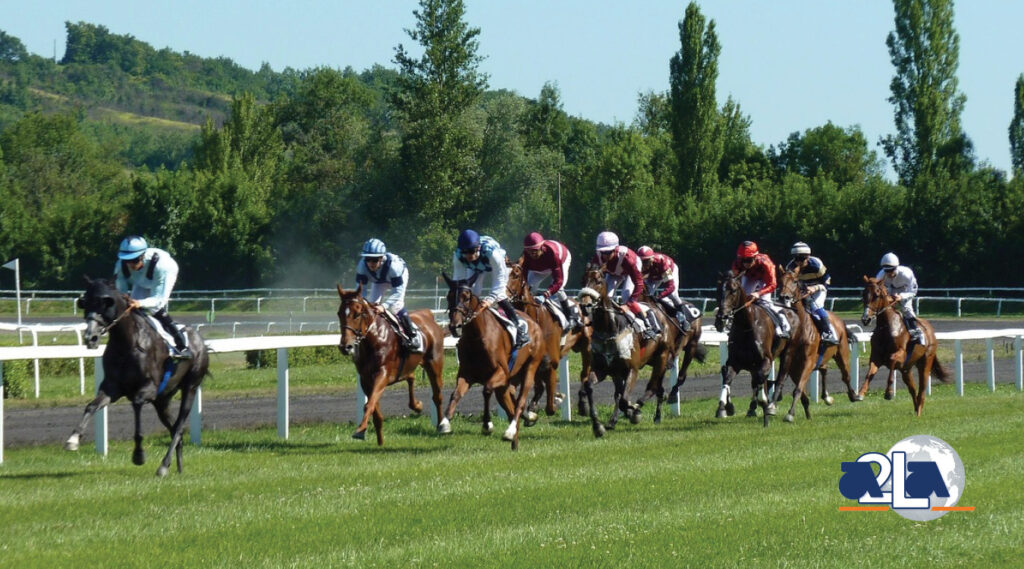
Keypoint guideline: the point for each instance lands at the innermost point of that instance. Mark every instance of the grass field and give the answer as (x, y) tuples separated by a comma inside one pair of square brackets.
[(693, 491)]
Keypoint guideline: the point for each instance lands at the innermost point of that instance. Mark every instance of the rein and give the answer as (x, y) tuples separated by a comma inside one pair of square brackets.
[(361, 335), (104, 328)]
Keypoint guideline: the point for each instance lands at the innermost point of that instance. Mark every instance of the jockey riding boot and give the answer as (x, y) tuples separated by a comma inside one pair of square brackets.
[(828, 335), (784, 327), (184, 353), (570, 313), (684, 323), (412, 341), (653, 326), (914, 331), (522, 331)]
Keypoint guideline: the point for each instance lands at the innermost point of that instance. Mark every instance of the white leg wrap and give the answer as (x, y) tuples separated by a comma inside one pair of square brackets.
[(724, 397), (510, 432), (444, 427)]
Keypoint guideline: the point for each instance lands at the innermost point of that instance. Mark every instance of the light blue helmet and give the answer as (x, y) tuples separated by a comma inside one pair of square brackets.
[(373, 248), (131, 247)]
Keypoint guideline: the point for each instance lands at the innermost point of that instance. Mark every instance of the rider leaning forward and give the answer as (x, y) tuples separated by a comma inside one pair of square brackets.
[(814, 280), (543, 258), (901, 283), (622, 271), (758, 280), (378, 272), (481, 256), (661, 275)]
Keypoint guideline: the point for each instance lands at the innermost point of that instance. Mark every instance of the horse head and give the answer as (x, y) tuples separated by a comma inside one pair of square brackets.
[(790, 291), (462, 303), (592, 291), (355, 317), (875, 298), (730, 298), (103, 306), (518, 289)]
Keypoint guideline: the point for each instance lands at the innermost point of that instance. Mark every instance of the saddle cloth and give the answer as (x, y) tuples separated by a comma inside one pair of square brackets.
[(690, 311), (165, 335), (556, 311), (397, 327), (509, 326)]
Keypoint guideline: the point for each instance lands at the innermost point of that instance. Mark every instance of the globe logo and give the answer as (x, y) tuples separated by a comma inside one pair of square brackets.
[(926, 448)]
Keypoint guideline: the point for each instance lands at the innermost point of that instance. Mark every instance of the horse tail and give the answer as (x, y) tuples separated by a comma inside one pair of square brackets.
[(939, 371)]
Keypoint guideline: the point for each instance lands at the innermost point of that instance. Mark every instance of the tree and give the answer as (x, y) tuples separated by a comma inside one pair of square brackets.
[(836, 153), (436, 96), (696, 124), (925, 50), (1017, 129)]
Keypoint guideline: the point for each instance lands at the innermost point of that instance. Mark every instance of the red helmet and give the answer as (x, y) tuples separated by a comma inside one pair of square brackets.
[(533, 241), (746, 250), (645, 252)]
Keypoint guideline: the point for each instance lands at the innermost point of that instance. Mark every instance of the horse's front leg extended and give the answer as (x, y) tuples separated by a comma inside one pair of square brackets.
[(414, 404), (375, 388), (138, 455), (461, 387), (725, 406), (102, 400), (872, 370)]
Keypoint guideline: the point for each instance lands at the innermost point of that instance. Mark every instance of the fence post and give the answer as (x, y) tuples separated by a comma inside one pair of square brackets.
[(81, 365), (815, 386), (563, 385), (991, 365), (958, 367), (361, 400), (195, 418), (959, 304), (282, 393), (100, 418), (1019, 363)]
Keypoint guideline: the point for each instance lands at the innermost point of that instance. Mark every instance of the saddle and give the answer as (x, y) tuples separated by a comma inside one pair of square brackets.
[(165, 335), (506, 322), (556, 312), (397, 327)]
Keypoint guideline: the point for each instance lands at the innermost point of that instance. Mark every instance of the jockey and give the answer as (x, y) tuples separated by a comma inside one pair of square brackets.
[(661, 275), (543, 258), (376, 272), (148, 275), (480, 255), (814, 278), (901, 283), (758, 280), (621, 269)]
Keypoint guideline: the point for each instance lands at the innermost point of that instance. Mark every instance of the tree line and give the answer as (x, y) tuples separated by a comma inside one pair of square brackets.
[(289, 172)]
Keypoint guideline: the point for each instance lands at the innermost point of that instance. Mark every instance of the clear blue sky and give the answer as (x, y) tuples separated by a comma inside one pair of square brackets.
[(791, 64)]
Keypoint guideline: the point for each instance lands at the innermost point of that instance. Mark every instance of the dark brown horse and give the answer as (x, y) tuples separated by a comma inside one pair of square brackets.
[(367, 336), (891, 346), (620, 351), (753, 344), (136, 365), (689, 346), (486, 356), (555, 349), (792, 294)]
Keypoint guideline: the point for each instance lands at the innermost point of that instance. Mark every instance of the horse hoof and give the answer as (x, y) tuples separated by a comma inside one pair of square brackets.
[(829, 400), (162, 471), (730, 409), (770, 409), (530, 419), (510, 434), (559, 398), (888, 395), (71, 445), (721, 414), (766, 421), (444, 427), (139, 457), (788, 418), (752, 413), (856, 397), (635, 418), (598, 430), (610, 427), (488, 428), (359, 435), (657, 419)]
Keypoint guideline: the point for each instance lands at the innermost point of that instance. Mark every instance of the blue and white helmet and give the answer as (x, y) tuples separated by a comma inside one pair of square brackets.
[(131, 247), (373, 248)]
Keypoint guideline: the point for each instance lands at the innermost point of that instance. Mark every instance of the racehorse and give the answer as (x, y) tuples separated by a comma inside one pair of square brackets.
[(792, 295), (753, 344), (136, 365), (891, 346), (486, 357), (619, 351), (369, 338), (578, 341), (690, 347)]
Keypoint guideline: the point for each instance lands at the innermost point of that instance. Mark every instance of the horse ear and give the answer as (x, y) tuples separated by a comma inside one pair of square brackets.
[(341, 291), (473, 278), (359, 290), (87, 279), (447, 280), (867, 279)]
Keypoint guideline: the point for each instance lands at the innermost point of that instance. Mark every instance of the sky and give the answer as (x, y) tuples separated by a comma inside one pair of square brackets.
[(790, 64)]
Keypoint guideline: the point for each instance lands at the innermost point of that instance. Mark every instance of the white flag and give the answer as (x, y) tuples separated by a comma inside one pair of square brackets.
[(10, 265)]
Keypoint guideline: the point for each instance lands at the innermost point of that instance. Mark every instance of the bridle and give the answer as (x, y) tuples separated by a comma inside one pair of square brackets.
[(462, 308), (870, 312), (93, 316), (367, 313), (523, 294)]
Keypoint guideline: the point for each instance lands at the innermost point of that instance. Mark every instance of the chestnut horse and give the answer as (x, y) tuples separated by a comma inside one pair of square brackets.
[(619, 351), (486, 357), (792, 294), (891, 346), (753, 345), (136, 366), (367, 336), (578, 341)]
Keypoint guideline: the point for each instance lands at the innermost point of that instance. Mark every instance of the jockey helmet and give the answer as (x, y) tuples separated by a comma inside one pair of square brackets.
[(746, 250), (131, 248), (468, 240), (645, 252), (533, 241), (373, 248), (890, 260), (800, 248), (606, 241)]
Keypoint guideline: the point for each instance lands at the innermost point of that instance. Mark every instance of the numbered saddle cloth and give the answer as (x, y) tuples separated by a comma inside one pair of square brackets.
[(165, 335)]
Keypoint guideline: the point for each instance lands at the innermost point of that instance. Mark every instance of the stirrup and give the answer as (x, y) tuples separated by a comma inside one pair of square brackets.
[(182, 354)]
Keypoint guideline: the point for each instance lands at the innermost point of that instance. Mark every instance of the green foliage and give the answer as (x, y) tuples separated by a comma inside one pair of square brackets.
[(297, 357), (17, 378), (1017, 129), (841, 155)]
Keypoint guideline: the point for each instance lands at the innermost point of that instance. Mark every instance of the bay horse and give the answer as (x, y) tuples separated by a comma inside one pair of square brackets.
[(620, 352), (792, 294), (753, 344), (577, 341), (367, 336), (486, 357), (689, 345), (891, 346), (136, 366)]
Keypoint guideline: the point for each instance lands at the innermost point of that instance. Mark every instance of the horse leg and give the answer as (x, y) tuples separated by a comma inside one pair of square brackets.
[(528, 376), (924, 371), (106, 395), (872, 370), (552, 387), (759, 381), (619, 400), (890, 382), (487, 424), (681, 378), (414, 404), (461, 387), (800, 390), (725, 407), (823, 386), (908, 378), (378, 383), (587, 394), (630, 410), (585, 374), (433, 371), (188, 397), (138, 455), (161, 412), (378, 425)]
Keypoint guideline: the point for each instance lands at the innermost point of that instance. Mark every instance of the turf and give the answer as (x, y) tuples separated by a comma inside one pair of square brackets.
[(692, 491)]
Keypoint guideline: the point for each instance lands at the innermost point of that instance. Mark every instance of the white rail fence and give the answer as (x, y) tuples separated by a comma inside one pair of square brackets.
[(283, 343)]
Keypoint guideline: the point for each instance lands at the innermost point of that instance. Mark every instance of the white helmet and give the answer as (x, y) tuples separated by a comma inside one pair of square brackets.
[(800, 248), (890, 260), (606, 241)]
